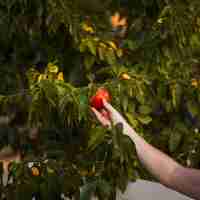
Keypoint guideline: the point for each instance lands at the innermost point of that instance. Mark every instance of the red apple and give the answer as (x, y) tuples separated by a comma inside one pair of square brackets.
[(96, 100)]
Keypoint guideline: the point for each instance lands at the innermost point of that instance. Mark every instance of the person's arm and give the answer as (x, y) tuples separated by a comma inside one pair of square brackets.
[(168, 171), (164, 168)]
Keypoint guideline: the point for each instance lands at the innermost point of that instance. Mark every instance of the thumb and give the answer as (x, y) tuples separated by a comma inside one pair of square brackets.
[(108, 106), (115, 116)]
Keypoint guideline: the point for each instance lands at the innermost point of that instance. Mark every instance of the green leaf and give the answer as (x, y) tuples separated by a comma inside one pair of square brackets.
[(83, 101), (127, 146), (104, 188), (82, 47), (105, 71), (50, 92), (144, 119), (61, 90), (131, 44), (176, 91), (195, 41), (87, 191), (92, 47), (125, 103), (83, 106), (193, 108), (162, 90), (122, 179), (89, 61), (140, 97), (101, 52), (132, 107), (145, 109), (181, 126), (110, 57), (174, 141), (168, 106), (96, 137), (132, 120), (117, 134)]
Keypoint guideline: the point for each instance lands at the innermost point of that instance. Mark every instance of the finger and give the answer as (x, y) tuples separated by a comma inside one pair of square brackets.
[(108, 106), (99, 116), (115, 116), (93, 114), (97, 113)]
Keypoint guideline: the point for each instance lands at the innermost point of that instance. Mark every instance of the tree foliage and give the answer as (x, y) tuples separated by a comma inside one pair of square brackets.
[(56, 53)]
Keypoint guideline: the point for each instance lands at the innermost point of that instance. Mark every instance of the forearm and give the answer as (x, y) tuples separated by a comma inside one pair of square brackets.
[(165, 169), (156, 162), (187, 181)]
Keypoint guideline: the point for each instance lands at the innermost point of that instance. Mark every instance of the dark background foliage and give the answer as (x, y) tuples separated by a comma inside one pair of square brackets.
[(158, 50)]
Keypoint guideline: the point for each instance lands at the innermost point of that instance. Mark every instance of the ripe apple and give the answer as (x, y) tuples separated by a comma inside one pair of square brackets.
[(96, 100)]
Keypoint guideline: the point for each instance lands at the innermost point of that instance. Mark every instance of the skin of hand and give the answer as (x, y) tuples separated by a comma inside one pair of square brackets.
[(115, 118), (165, 169)]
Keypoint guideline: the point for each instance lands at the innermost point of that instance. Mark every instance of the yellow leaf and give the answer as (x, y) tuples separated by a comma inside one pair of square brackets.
[(52, 68), (87, 28), (101, 53), (112, 44), (39, 77), (101, 44), (90, 30), (42, 77), (60, 76), (125, 76), (194, 82), (119, 53)]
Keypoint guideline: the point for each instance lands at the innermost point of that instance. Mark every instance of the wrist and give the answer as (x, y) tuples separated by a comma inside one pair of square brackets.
[(128, 130)]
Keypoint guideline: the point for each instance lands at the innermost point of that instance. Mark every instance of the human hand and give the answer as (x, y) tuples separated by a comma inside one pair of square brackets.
[(114, 117)]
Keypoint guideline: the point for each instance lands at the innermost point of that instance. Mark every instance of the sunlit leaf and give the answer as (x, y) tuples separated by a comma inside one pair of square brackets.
[(144, 119), (145, 109), (132, 120), (92, 47)]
